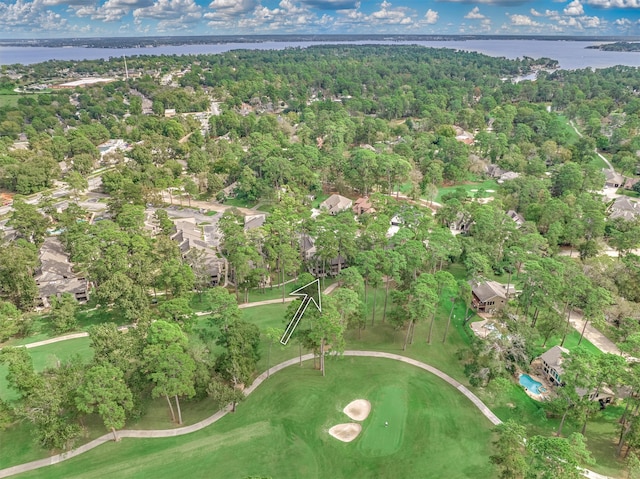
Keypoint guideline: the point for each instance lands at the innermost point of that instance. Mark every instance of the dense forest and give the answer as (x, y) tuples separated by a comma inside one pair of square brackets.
[(283, 128)]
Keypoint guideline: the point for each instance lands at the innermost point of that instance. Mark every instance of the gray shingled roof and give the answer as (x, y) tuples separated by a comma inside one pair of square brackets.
[(553, 357), (489, 289)]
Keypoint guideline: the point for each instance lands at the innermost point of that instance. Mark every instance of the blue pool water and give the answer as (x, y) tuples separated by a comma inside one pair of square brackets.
[(531, 384)]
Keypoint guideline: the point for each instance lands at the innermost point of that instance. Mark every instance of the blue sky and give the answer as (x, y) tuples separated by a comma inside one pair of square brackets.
[(78, 18)]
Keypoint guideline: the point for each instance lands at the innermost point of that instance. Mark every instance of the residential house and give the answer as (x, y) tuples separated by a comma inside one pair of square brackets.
[(254, 221), (198, 253), (490, 296), (335, 204), (55, 275), (317, 267), (516, 217), (461, 224), (552, 364), (230, 191), (624, 207), (552, 368), (629, 182), (612, 178), (603, 395), (363, 205), (494, 171)]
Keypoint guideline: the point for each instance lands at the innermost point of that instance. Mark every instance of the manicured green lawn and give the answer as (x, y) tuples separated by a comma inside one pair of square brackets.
[(281, 431), (239, 203), (468, 187)]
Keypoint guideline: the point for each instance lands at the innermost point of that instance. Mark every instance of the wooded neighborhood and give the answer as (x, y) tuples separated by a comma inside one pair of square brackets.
[(485, 226)]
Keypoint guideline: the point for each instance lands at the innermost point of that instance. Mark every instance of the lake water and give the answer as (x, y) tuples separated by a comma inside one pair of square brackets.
[(571, 54)]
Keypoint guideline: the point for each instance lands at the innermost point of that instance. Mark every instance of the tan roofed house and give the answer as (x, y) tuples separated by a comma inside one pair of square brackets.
[(335, 204), (490, 296)]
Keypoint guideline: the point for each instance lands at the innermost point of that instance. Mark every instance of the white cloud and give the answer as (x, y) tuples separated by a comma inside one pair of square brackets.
[(391, 16), (622, 22), (502, 3), (546, 13), (574, 9), (112, 10), (523, 21), (475, 14), (580, 23), (331, 4), (233, 7), (29, 16), (431, 17), (614, 3), (185, 10)]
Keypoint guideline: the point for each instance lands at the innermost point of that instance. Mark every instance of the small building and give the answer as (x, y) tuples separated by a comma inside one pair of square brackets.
[(197, 253), (317, 267), (336, 204), (254, 221), (612, 178), (230, 191), (490, 296), (629, 182), (516, 217), (552, 364), (111, 146), (624, 207), (55, 275), (363, 205), (169, 112), (603, 395)]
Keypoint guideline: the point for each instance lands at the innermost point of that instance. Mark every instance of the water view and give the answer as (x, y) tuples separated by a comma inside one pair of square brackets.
[(571, 54)]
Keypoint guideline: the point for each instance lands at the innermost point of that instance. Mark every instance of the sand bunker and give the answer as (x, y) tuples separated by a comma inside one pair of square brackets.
[(358, 410), (346, 432)]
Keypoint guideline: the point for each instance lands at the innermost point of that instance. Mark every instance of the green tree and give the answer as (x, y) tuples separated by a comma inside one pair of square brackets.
[(510, 450), (104, 391), (29, 222), (63, 313), (167, 364)]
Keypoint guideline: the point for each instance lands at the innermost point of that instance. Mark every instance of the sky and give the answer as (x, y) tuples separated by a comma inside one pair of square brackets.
[(100, 18)]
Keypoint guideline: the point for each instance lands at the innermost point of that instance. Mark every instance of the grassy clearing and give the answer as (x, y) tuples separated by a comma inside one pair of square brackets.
[(9, 100), (281, 431), (239, 203), (568, 130), (630, 193), (468, 187)]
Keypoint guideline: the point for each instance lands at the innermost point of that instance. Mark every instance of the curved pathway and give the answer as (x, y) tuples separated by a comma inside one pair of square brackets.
[(223, 412), (329, 289)]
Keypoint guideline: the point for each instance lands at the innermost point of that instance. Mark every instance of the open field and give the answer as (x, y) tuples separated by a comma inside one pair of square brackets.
[(281, 431), (468, 187)]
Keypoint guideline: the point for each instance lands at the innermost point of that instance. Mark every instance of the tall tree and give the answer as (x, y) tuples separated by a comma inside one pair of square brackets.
[(104, 391)]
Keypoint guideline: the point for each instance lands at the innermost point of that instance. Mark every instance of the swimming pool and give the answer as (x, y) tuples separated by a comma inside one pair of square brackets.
[(531, 384)]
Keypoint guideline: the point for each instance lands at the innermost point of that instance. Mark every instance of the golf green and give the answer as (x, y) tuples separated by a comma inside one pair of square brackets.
[(281, 431), (383, 432)]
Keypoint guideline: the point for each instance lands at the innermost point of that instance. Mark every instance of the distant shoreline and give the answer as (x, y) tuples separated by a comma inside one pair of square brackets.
[(156, 41)]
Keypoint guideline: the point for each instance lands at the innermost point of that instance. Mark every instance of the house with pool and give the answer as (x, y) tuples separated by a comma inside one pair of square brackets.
[(552, 368), (552, 364)]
